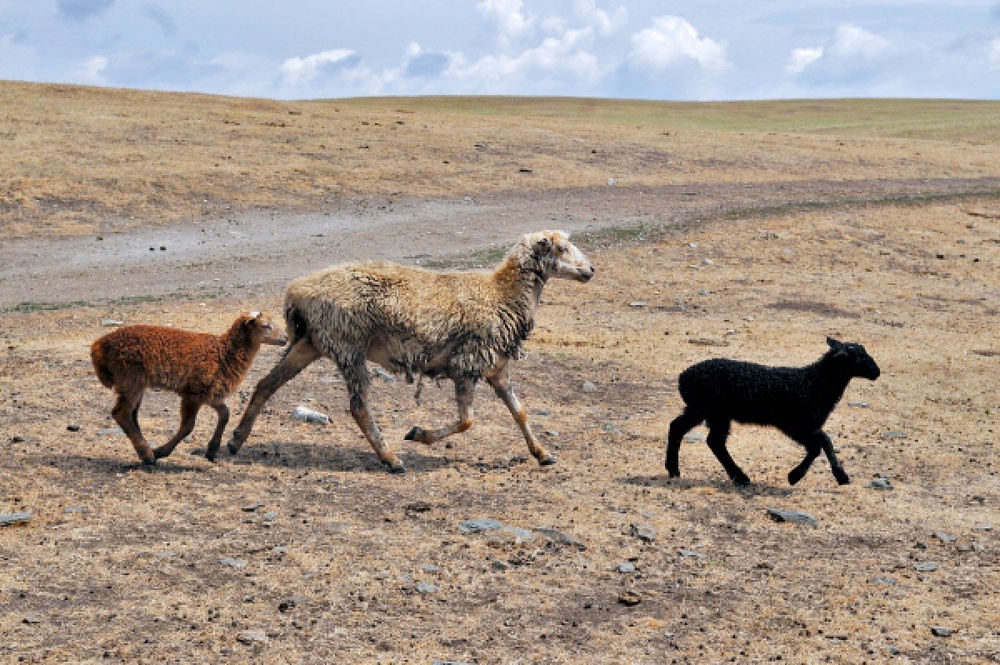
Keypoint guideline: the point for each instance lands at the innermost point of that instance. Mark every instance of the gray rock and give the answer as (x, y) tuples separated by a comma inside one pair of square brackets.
[(499, 565), (233, 563), (983, 527), (75, 510), (944, 537), (252, 637), (626, 568), (110, 431), (692, 554), (14, 518), (429, 568), (425, 588), (589, 387), (859, 405), (793, 516), (637, 303), (696, 437), (942, 631), (884, 580), (879, 483), (926, 567), (895, 434), (111, 323), (270, 516), (643, 531), (477, 526), (307, 415), (559, 538), (518, 534)]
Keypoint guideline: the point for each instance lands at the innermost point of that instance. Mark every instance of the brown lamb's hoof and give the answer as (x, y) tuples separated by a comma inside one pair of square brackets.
[(399, 467), (548, 461)]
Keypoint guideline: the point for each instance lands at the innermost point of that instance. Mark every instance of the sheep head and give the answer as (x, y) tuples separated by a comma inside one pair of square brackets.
[(260, 326), (853, 359), (556, 256)]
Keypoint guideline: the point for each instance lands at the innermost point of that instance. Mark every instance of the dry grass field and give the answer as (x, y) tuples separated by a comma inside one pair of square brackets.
[(744, 230)]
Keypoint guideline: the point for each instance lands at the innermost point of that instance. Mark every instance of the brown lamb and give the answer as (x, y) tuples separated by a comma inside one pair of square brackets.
[(200, 367)]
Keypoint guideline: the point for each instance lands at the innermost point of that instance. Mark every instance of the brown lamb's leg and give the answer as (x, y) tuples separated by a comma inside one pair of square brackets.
[(501, 385), (297, 359), (464, 391), (189, 412), (125, 413)]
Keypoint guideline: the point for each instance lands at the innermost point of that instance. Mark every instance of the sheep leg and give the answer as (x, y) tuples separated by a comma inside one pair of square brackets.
[(297, 359), (189, 412), (356, 377), (501, 385), (126, 414), (814, 443), (680, 426), (464, 392), (718, 432)]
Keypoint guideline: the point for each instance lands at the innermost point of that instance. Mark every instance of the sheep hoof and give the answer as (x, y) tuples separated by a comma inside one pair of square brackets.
[(398, 467), (741, 481), (843, 478), (149, 462), (418, 434), (233, 449), (547, 461)]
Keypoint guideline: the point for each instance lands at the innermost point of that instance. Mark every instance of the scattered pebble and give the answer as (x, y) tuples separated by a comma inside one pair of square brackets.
[(14, 518), (629, 598), (879, 483), (589, 387), (927, 567), (637, 303), (895, 434), (696, 437), (477, 526), (884, 580), (72, 428), (644, 531), (252, 507), (942, 631), (110, 431), (626, 568), (559, 537), (233, 563), (111, 323), (425, 588), (692, 554), (251, 637), (944, 537), (309, 416), (794, 516)]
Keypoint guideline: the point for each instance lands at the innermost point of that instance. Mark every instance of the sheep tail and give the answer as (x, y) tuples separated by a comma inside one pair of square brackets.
[(295, 326), (104, 375)]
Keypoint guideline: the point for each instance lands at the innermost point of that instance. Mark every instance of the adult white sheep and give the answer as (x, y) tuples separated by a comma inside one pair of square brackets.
[(416, 322)]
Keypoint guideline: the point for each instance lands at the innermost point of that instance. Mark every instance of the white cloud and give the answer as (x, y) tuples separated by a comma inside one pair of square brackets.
[(508, 16), (91, 72), (296, 71), (802, 58), (993, 55), (672, 41), (606, 24), (854, 42)]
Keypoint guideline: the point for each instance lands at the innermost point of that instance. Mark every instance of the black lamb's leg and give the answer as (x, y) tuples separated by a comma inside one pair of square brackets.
[(838, 470), (814, 443), (680, 426), (718, 432)]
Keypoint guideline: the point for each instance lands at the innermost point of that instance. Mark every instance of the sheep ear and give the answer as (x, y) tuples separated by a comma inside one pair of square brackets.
[(834, 344), (544, 244)]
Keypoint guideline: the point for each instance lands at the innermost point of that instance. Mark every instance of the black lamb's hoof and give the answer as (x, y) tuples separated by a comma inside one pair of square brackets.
[(210, 457), (741, 481), (233, 450), (149, 462), (413, 434), (842, 478)]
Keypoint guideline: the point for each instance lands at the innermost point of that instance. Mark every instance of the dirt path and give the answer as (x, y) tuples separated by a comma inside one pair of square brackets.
[(264, 251)]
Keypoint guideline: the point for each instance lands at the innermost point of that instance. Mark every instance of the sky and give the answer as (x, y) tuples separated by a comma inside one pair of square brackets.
[(661, 50)]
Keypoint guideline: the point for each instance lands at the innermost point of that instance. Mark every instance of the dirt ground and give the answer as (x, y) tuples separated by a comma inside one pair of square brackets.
[(303, 550)]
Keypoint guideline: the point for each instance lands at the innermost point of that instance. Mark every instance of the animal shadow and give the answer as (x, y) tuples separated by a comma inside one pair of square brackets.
[(726, 486)]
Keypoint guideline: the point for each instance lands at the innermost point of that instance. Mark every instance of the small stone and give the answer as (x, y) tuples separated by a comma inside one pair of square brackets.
[(926, 567), (382, 374), (75, 510), (252, 507), (110, 431), (859, 405), (629, 598), (288, 605), (518, 534), (31, 619), (477, 526), (626, 568), (692, 554), (942, 631), (696, 437), (499, 565), (879, 483), (425, 588), (251, 637), (72, 428), (637, 303), (794, 516), (429, 568), (417, 507), (14, 518), (269, 516), (884, 580), (944, 537), (589, 387), (309, 416), (643, 531), (895, 434), (982, 527), (111, 323), (559, 537), (233, 563)]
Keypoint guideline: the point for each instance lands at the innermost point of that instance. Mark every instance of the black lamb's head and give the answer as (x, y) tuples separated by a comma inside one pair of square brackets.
[(853, 359)]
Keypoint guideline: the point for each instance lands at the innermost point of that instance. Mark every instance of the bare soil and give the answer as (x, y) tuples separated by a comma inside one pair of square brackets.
[(305, 542)]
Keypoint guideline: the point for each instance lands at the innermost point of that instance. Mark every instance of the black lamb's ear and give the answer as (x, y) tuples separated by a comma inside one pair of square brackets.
[(834, 344)]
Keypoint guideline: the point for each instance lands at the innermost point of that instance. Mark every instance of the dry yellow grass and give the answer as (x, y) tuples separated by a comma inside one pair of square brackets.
[(304, 538)]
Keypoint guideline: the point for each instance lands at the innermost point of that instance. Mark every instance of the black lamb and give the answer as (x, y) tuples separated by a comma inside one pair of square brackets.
[(796, 400)]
